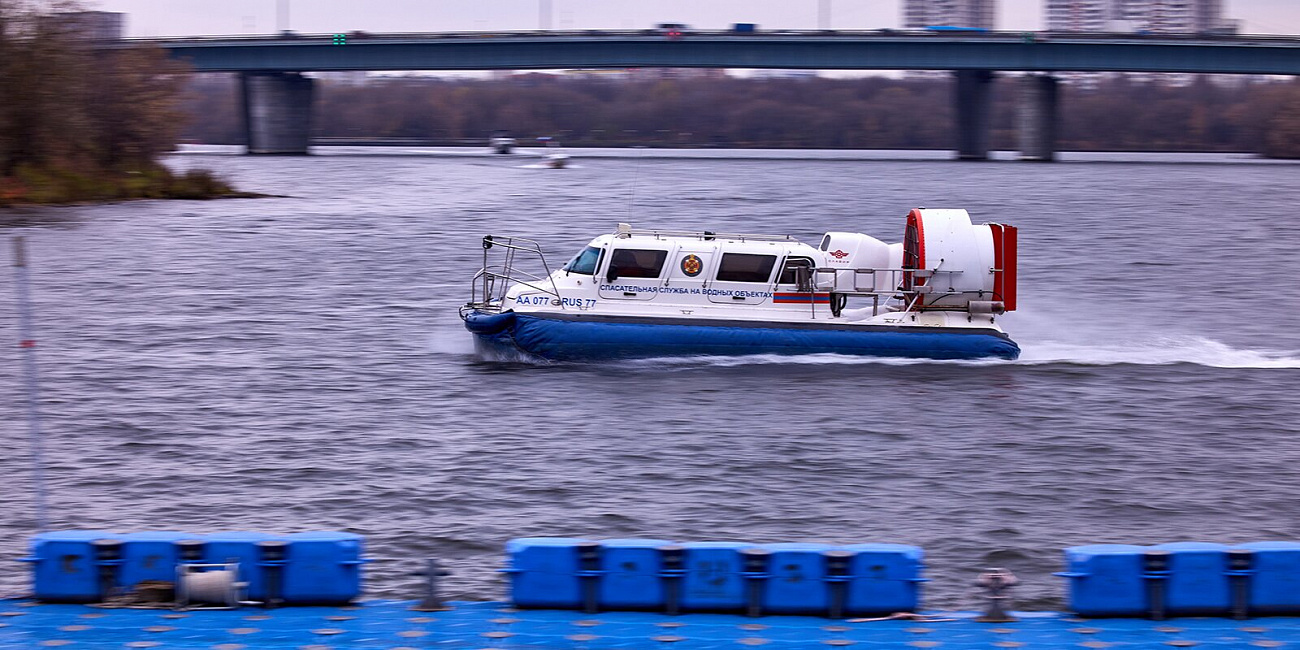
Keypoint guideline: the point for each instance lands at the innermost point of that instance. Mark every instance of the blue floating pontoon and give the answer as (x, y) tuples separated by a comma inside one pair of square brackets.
[(564, 337)]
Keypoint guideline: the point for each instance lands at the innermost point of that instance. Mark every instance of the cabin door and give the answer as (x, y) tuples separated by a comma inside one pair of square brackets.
[(743, 279), (633, 273), (795, 286)]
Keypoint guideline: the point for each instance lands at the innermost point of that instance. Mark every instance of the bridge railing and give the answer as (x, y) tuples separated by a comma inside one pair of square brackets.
[(883, 33)]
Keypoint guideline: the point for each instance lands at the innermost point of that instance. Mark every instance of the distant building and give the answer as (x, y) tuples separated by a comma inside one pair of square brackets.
[(1158, 16), (1136, 17), (1078, 15), (1209, 16), (1140, 16), (1146, 16), (918, 14)]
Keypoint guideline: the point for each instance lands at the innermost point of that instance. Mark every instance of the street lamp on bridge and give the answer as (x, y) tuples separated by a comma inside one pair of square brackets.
[(282, 15), (543, 14)]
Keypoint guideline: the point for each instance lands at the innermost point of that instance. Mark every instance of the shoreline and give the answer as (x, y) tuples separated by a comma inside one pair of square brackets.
[(35, 187), (483, 153)]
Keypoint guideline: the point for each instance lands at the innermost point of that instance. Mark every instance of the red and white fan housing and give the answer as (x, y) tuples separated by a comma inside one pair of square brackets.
[(970, 267)]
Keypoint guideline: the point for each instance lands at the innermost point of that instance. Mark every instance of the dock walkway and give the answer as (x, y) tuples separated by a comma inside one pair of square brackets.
[(394, 625)]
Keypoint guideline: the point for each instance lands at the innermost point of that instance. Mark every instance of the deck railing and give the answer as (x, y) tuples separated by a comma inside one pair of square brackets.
[(490, 284)]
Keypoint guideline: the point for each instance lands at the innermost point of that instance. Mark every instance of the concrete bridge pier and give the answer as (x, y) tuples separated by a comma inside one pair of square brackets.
[(277, 112), (1037, 119), (973, 99)]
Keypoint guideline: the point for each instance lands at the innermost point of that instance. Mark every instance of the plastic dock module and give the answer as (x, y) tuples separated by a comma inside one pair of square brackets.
[(884, 578), (714, 580), (544, 571), (796, 579), (322, 568), (241, 547), (631, 574), (1106, 579), (1184, 579), (1274, 577), (1198, 579), (64, 565), (151, 555), (473, 626)]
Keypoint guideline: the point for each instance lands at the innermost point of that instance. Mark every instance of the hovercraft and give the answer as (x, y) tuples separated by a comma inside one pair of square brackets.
[(653, 293)]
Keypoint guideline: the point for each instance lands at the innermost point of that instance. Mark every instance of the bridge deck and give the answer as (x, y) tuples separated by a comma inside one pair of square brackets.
[(880, 50)]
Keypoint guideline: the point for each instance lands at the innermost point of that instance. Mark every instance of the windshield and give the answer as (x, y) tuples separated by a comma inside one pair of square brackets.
[(585, 262)]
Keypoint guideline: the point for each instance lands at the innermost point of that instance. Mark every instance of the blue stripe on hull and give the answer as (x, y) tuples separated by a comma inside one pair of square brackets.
[(571, 340)]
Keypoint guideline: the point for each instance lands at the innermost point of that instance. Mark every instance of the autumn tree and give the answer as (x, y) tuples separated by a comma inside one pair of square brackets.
[(1283, 139), (79, 118)]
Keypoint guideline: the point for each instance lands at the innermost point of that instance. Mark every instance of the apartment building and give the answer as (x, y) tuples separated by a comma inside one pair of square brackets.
[(956, 13)]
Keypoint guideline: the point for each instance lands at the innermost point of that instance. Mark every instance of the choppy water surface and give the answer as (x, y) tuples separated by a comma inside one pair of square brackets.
[(297, 363)]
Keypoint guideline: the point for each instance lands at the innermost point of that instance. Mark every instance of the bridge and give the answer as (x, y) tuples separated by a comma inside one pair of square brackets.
[(277, 97)]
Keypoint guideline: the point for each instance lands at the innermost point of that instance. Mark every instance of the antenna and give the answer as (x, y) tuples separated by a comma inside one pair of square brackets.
[(636, 169), (27, 343)]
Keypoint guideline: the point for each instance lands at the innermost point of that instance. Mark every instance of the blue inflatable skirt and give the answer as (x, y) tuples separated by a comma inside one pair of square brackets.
[(580, 337)]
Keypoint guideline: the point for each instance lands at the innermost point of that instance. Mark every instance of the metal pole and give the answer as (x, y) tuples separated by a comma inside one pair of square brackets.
[(27, 343), (543, 14), (282, 15)]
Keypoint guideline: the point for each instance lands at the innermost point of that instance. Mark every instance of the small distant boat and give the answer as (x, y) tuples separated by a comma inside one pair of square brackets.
[(650, 293), (555, 158), (501, 142)]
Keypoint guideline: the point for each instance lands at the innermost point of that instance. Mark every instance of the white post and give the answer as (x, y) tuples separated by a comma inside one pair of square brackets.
[(27, 343), (282, 15)]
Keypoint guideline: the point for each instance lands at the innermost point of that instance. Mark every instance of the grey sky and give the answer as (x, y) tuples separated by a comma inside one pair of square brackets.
[(177, 17)]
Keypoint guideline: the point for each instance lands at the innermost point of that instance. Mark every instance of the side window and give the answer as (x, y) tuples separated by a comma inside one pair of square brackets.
[(745, 267), (790, 270), (634, 263)]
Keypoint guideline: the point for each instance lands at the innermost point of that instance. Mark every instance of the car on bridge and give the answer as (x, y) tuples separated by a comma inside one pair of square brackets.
[(673, 31)]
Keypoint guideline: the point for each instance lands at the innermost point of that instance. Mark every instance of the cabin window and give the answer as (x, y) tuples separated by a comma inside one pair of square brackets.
[(744, 267), (826, 242), (634, 263), (791, 264), (586, 262)]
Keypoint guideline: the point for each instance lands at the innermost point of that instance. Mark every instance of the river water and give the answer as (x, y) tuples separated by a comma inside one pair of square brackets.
[(297, 363)]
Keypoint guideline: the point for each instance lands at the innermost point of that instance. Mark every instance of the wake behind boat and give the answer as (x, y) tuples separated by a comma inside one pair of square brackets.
[(650, 293)]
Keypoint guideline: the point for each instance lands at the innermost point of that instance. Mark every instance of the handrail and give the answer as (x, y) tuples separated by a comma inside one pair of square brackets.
[(915, 298), (491, 283), (356, 37), (705, 235)]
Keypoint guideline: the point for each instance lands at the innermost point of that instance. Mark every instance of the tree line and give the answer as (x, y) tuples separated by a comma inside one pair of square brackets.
[(79, 122), (870, 113)]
